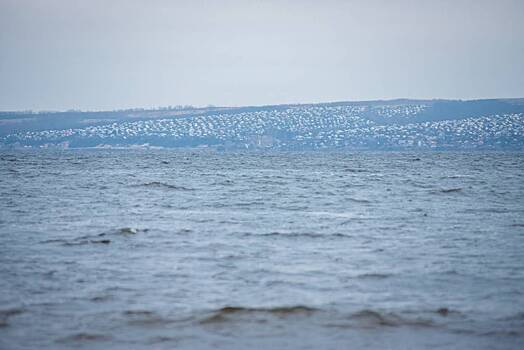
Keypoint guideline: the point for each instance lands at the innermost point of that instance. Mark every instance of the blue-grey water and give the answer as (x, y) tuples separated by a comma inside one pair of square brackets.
[(199, 250)]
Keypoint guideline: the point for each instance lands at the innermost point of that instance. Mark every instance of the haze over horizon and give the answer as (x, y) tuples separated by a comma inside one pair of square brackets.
[(96, 55)]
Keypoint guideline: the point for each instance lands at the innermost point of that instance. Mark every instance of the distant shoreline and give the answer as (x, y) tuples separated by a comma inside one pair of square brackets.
[(394, 125)]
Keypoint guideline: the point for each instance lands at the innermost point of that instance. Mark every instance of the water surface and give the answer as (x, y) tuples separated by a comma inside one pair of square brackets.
[(198, 250)]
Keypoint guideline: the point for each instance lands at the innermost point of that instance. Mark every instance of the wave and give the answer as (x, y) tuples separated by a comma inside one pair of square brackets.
[(78, 241), (7, 313), (451, 190), (129, 231), (163, 339), (504, 333), (224, 314), (158, 184), (100, 238), (447, 190), (224, 183), (145, 317), (83, 242), (361, 319), (355, 170), (298, 235), (101, 298), (377, 276), (82, 337), (516, 317), (457, 177), (358, 200), (372, 318), (444, 311)]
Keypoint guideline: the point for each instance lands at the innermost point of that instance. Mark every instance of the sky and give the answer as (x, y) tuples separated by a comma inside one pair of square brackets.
[(113, 54)]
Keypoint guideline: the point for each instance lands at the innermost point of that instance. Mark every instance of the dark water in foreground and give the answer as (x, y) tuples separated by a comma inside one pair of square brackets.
[(165, 249)]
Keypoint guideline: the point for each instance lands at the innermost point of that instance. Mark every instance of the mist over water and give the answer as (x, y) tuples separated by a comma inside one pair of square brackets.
[(197, 250)]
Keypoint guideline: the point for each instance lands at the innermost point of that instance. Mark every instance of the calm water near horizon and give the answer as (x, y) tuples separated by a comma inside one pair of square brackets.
[(169, 249)]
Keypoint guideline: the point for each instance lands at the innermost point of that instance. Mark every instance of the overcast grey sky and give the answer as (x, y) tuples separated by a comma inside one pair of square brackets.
[(107, 54)]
